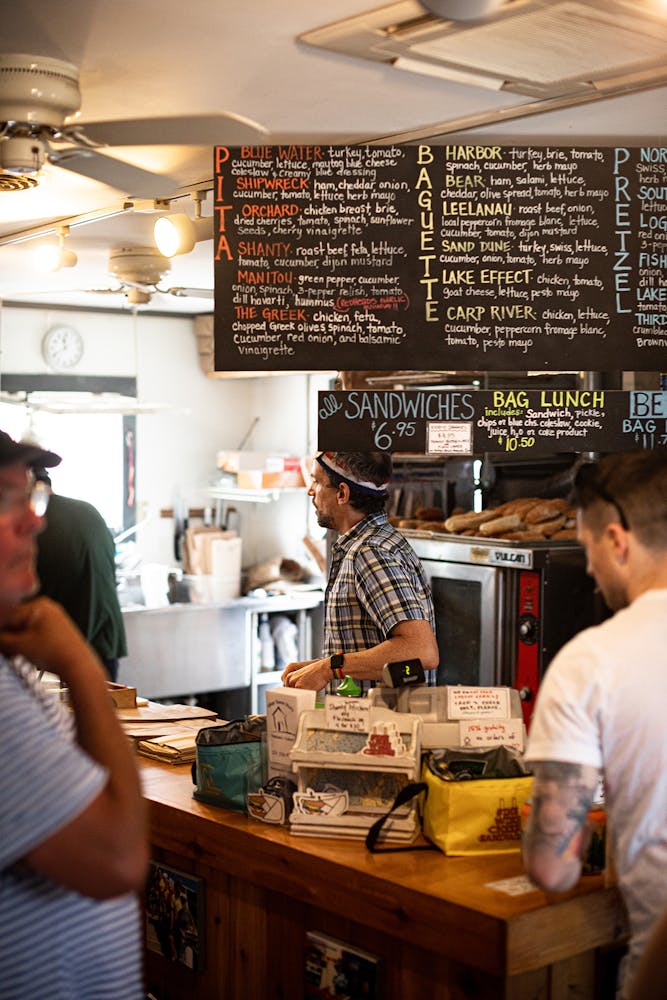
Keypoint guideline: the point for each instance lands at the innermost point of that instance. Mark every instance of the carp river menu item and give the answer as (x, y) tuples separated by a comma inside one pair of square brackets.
[(456, 257)]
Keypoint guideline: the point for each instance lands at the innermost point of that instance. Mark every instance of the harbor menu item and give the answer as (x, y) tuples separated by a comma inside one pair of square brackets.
[(456, 257)]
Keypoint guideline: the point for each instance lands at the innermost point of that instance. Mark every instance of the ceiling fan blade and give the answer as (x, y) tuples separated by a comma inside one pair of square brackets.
[(194, 130), (132, 181), (188, 293)]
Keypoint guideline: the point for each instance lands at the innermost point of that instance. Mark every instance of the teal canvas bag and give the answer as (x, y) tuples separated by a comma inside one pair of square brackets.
[(230, 762)]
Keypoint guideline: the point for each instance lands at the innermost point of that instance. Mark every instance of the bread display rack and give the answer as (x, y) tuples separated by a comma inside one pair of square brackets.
[(350, 761)]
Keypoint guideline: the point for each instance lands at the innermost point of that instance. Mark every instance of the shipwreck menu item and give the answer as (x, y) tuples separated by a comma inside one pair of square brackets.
[(455, 257)]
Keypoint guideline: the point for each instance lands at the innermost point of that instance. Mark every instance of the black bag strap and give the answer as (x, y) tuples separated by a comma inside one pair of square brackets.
[(405, 795)]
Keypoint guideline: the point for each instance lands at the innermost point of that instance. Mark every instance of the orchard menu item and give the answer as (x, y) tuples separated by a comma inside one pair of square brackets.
[(469, 257), (527, 422)]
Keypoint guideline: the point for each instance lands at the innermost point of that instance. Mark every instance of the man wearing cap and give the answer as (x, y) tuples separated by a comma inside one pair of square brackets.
[(378, 606), (601, 706), (73, 847)]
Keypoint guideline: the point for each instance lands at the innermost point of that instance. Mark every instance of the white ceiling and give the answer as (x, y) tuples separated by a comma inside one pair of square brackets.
[(151, 58)]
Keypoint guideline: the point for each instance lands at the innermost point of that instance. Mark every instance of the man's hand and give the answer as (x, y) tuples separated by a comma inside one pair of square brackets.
[(42, 632), (313, 675)]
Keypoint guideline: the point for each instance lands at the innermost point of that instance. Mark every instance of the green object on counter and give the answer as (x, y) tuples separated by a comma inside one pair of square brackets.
[(349, 688)]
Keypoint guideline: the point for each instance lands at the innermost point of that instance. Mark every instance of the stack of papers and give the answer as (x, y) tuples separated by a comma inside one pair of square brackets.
[(166, 732), (178, 744)]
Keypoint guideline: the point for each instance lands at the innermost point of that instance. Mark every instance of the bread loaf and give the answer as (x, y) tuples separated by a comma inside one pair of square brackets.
[(464, 522), (545, 511), (430, 514), (511, 522)]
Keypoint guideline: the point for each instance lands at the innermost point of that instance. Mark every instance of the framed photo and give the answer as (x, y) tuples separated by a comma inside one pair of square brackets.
[(334, 970), (175, 915)]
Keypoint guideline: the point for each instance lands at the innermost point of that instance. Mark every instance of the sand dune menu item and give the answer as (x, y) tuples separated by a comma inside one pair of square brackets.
[(457, 257)]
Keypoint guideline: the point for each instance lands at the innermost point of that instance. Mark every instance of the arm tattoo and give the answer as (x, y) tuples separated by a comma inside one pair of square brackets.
[(562, 796)]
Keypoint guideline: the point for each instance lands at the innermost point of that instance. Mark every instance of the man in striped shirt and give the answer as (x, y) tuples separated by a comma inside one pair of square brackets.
[(378, 606), (73, 849)]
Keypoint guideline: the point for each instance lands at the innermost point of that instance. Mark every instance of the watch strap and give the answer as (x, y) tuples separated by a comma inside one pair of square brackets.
[(336, 663)]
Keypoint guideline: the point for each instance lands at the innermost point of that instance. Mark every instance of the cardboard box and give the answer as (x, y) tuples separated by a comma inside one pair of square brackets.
[(256, 470), (283, 708)]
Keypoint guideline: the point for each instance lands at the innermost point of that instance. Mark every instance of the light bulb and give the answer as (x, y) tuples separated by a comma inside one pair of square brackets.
[(47, 257)]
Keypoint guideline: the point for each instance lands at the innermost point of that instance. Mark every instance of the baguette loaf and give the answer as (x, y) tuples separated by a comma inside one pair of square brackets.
[(510, 522), (464, 522)]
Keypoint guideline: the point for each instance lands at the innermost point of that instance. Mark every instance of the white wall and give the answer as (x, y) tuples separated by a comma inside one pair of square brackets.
[(176, 450)]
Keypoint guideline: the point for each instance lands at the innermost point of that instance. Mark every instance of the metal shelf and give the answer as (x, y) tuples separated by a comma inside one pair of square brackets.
[(250, 496)]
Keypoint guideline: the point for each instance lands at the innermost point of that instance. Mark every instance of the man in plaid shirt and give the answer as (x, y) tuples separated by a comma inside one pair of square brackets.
[(378, 606)]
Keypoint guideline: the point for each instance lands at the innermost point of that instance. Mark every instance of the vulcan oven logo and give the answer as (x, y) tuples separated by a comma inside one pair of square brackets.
[(511, 557)]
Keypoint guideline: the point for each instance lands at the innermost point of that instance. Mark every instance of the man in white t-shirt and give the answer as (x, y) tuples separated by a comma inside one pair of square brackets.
[(601, 709), (73, 846)]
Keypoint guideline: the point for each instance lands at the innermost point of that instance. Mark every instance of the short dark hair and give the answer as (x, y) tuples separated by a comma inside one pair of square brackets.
[(374, 466), (635, 484)]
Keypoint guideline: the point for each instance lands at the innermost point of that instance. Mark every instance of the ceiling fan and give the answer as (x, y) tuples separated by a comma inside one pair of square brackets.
[(38, 94), (139, 271)]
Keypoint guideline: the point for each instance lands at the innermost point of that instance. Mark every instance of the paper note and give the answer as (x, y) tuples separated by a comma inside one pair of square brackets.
[(478, 702), (490, 733), (351, 715)]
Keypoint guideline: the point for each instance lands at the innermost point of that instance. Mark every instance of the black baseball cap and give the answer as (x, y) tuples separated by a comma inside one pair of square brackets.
[(28, 452)]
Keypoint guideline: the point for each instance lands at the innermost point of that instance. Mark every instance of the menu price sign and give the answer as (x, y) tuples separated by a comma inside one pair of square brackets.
[(524, 421), (456, 257)]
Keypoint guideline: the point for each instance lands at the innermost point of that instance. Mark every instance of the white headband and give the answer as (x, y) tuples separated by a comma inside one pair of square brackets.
[(327, 461)]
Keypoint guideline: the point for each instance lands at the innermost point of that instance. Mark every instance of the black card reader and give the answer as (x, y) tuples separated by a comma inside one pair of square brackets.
[(402, 673)]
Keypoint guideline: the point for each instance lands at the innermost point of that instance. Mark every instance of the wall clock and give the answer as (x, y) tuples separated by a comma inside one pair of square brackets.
[(62, 347)]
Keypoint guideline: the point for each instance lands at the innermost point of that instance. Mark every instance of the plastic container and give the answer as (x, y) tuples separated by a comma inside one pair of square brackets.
[(267, 656)]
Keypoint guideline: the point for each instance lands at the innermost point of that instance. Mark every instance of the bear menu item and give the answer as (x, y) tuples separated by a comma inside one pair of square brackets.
[(469, 257)]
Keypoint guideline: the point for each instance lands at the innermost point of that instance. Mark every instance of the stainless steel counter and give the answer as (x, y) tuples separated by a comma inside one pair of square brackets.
[(183, 649)]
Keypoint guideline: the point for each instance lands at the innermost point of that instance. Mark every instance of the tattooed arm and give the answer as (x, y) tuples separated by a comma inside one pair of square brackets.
[(554, 840)]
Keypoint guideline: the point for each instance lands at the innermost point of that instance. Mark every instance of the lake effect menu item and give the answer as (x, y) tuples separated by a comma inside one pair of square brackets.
[(466, 256)]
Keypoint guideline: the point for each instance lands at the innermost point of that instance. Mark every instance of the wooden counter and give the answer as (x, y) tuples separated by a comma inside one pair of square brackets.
[(443, 932)]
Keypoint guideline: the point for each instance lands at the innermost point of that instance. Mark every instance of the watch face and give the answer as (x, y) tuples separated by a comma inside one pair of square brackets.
[(62, 347)]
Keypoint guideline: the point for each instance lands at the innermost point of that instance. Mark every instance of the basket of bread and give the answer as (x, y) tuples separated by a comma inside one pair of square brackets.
[(526, 519)]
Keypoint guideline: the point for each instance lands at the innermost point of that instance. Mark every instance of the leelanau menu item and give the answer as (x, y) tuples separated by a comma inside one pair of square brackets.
[(424, 257), (527, 422)]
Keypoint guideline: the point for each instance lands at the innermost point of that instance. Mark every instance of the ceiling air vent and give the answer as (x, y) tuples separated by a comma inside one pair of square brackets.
[(540, 48)]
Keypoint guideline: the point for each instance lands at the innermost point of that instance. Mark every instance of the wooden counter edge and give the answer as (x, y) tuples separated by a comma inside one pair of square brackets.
[(502, 943)]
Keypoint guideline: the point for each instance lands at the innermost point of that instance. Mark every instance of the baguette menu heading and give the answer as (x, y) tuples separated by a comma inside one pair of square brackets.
[(427, 257)]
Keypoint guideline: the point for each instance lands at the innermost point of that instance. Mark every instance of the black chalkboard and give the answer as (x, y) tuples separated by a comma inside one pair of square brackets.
[(475, 257), (525, 422)]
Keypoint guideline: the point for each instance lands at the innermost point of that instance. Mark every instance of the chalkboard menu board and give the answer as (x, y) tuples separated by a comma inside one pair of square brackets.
[(468, 257), (525, 422)]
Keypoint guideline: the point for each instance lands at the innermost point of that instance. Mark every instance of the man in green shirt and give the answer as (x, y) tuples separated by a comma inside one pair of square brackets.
[(76, 568)]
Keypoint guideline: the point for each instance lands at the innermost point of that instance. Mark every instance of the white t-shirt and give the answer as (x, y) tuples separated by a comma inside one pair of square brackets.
[(603, 702)]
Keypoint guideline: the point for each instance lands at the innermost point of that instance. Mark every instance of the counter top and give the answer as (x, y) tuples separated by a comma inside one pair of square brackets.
[(292, 601), (451, 906)]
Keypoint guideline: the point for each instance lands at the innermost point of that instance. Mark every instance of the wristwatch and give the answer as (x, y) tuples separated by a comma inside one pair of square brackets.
[(336, 663)]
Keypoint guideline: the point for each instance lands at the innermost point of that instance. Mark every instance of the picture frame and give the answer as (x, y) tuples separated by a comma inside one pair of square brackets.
[(175, 908), (334, 970)]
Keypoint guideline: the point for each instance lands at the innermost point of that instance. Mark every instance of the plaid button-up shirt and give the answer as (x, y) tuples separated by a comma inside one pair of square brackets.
[(375, 582)]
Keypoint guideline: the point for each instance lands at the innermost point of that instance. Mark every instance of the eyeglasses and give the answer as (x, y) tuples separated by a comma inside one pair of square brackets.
[(588, 487), (35, 495)]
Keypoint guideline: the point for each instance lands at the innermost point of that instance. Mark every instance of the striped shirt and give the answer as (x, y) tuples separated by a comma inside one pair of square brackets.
[(54, 943), (376, 581)]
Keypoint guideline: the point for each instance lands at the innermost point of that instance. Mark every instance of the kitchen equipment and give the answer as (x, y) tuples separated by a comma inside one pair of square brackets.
[(503, 608)]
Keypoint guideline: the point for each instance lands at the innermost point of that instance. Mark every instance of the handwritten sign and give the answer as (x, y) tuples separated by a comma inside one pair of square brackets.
[(350, 715), (498, 732), (477, 702), (456, 257), (525, 422)]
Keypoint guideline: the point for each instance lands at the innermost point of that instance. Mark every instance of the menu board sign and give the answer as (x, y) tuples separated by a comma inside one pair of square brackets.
[(523, 421), (468, 257)]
